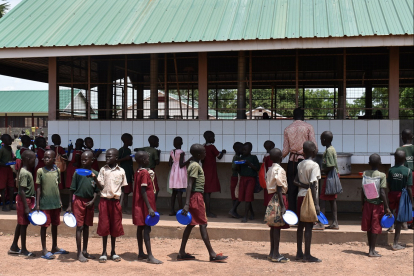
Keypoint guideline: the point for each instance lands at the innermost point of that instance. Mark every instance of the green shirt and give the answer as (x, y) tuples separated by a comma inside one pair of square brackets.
[(127, 165), (26, 181), (399, 177), (49, 188), (84, 186), (5, 155), (153, 156), (245, 170), (234, 171), (194, 170), (329, 158), (409, 156), (18, 156), (383, 184)]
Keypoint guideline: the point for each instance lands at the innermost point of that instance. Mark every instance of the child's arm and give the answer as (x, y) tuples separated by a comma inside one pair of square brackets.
[(188, 193), (77, 160), (253, 166), (69, 209), (157, 161), (90, 203), (1, 163), (221, 154), (22, 194), (182, 163), (363, 199), (296, 182), (281, 202), (170, 161), (145, 197), (316, 202), (121, 199), (384, 199), (100, 185), (38, 198)]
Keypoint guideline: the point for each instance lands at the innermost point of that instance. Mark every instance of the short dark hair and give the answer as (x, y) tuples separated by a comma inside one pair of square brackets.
[(298, 114)]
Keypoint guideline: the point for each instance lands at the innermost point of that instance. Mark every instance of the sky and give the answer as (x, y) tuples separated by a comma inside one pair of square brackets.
[(8, 83)]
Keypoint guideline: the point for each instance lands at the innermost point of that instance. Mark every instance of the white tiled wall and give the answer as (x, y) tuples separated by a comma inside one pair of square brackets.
[(359, 137)]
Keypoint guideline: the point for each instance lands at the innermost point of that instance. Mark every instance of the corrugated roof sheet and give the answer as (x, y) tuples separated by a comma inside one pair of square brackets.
[(24, 101), (47, 23), (31, 101)]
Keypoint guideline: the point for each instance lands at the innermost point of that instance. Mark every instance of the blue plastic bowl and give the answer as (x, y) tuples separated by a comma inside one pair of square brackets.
[(10, 163), (83, 172), (152, 221), (322, 218), (240, 162), (387, 221), (96, 150), (184, 220), (37, 218)]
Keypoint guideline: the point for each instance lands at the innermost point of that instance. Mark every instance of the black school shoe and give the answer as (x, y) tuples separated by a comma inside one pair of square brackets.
[(219, 258)]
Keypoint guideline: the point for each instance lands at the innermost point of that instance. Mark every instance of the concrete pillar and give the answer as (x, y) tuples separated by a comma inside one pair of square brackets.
[(241, 86), (368, 100), (53, 95), (202, 87), (341, 72), (154, 86), (394, 83), (140, 101)]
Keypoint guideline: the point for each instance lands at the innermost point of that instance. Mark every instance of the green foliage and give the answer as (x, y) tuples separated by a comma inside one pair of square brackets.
[(3, 8), (407, 101)]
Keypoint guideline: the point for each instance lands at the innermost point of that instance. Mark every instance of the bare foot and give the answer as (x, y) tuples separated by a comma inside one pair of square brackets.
[(142, 256), (374, 254), (152, 260), (311, 259), (397, 247), (299, 256), (82, 258)]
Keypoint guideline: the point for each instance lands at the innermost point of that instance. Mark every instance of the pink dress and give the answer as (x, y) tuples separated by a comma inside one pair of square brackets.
[(178, 176)]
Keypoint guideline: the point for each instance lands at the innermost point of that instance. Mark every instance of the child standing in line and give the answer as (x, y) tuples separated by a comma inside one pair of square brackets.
[(178, 174), (26, 142), (210, 169), (154, 158), (238, 150), (96, 154), (125, 162), (276, 184), (48, 200), (86, 191), (373, 209), (267, 161), (6, 172), (143, 204), (329, 162), (74, 162), (40, 143), (111, 180), (408, 148), (59, 151), (308, 176), (248, 174), (195, 205), (399, 177), (24, 201)]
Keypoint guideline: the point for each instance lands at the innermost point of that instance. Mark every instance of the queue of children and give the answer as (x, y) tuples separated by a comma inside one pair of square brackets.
[(116, 180)]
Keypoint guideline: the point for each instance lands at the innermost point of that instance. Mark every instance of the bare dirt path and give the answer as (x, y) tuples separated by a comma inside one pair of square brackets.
[(246, 258)]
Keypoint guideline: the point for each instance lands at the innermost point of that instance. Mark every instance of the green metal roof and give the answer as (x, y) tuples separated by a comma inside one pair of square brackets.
[(47, 23), (31, 101), (24, 101)]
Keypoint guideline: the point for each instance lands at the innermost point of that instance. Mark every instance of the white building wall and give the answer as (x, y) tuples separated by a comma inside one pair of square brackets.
[(359, 137)]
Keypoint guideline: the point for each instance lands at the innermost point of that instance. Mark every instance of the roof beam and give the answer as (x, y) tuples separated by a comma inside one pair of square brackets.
[(216, 46)]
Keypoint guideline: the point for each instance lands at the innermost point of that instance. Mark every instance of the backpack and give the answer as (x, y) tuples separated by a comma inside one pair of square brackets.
[(371, 186), (405, 207)]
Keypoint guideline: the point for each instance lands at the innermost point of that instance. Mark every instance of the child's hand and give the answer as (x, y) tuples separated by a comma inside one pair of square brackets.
[(223, 151), (92, 175), (151, 212), (283, 210), (69, 209), (89, 204), (185, 210), (388, 212), (318, 210), (37, 207)]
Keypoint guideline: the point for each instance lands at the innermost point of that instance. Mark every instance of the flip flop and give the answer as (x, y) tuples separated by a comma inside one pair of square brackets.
[(281, 259), (49, 256), (11, 252), (186, 257), (89, 256), (218, 258), (102, 259), (29, 254), (115, 258), (61, 251)]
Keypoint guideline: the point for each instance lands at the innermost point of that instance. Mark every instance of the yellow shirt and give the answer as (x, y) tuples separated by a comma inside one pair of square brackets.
[(112, 180), (276, 176)]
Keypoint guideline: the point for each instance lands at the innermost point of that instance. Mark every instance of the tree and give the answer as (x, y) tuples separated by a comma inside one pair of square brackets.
[(407, 102), (3, 8)]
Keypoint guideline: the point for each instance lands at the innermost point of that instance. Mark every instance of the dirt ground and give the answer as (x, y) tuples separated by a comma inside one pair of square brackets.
[(245, 258)]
